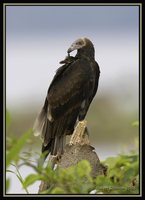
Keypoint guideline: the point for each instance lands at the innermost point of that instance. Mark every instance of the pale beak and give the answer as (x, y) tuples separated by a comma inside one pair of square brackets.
[(69, 50), (72, 48)]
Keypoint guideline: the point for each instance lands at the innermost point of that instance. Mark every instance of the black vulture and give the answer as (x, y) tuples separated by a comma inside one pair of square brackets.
[(69, 97)]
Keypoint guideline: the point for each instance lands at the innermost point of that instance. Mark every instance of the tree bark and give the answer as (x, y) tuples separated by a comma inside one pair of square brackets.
[(78, 149), (75, 153)]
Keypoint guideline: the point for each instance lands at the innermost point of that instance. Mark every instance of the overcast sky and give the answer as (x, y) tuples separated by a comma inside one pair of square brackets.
[(27, 20), (37, 38)]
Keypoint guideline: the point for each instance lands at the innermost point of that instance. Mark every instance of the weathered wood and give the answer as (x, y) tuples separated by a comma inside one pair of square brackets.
[(75, 153), (78, 149)]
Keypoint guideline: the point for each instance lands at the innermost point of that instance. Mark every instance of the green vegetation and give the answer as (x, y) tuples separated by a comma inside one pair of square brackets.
[(122, 176)]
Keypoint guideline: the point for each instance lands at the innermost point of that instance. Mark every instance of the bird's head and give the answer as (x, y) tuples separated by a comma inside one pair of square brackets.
[(82, 45)]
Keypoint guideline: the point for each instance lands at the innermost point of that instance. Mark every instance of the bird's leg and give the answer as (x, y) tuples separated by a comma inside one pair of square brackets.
[(79, 135), (53, 160)]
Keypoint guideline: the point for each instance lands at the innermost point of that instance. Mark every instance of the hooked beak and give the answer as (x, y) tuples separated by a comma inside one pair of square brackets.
[(70, 49)]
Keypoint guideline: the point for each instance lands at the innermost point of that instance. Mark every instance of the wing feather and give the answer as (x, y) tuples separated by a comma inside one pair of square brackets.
[(68, 89)]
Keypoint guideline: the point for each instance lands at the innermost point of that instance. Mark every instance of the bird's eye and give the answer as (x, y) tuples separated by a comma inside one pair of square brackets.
[(79, 43)]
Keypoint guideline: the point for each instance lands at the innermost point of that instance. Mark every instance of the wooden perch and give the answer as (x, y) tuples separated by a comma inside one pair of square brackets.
[(78, 149)]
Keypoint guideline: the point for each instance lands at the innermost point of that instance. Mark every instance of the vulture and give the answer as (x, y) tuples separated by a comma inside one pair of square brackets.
[(69, 97)]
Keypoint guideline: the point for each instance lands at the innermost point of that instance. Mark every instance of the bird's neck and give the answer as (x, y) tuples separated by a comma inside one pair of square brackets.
[(86, 53)]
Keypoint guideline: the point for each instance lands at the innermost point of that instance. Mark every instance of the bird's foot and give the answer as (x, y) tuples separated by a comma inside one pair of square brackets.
[(79, 136)]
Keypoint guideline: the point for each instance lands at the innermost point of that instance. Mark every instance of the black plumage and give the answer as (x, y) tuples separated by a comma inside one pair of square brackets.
[(69, 96)]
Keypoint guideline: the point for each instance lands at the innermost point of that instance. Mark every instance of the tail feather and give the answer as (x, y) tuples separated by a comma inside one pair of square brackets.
[(39, 123), (47, 133), (55, 146), (45, 128), (55, 135), (58, 146), (53, 132), (41, 120)]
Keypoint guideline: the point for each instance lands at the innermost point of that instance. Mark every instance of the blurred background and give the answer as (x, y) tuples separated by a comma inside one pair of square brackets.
[(37, 38)]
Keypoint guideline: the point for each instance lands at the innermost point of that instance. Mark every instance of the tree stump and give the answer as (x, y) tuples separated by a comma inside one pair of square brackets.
[(78, 149), (75, 153)]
